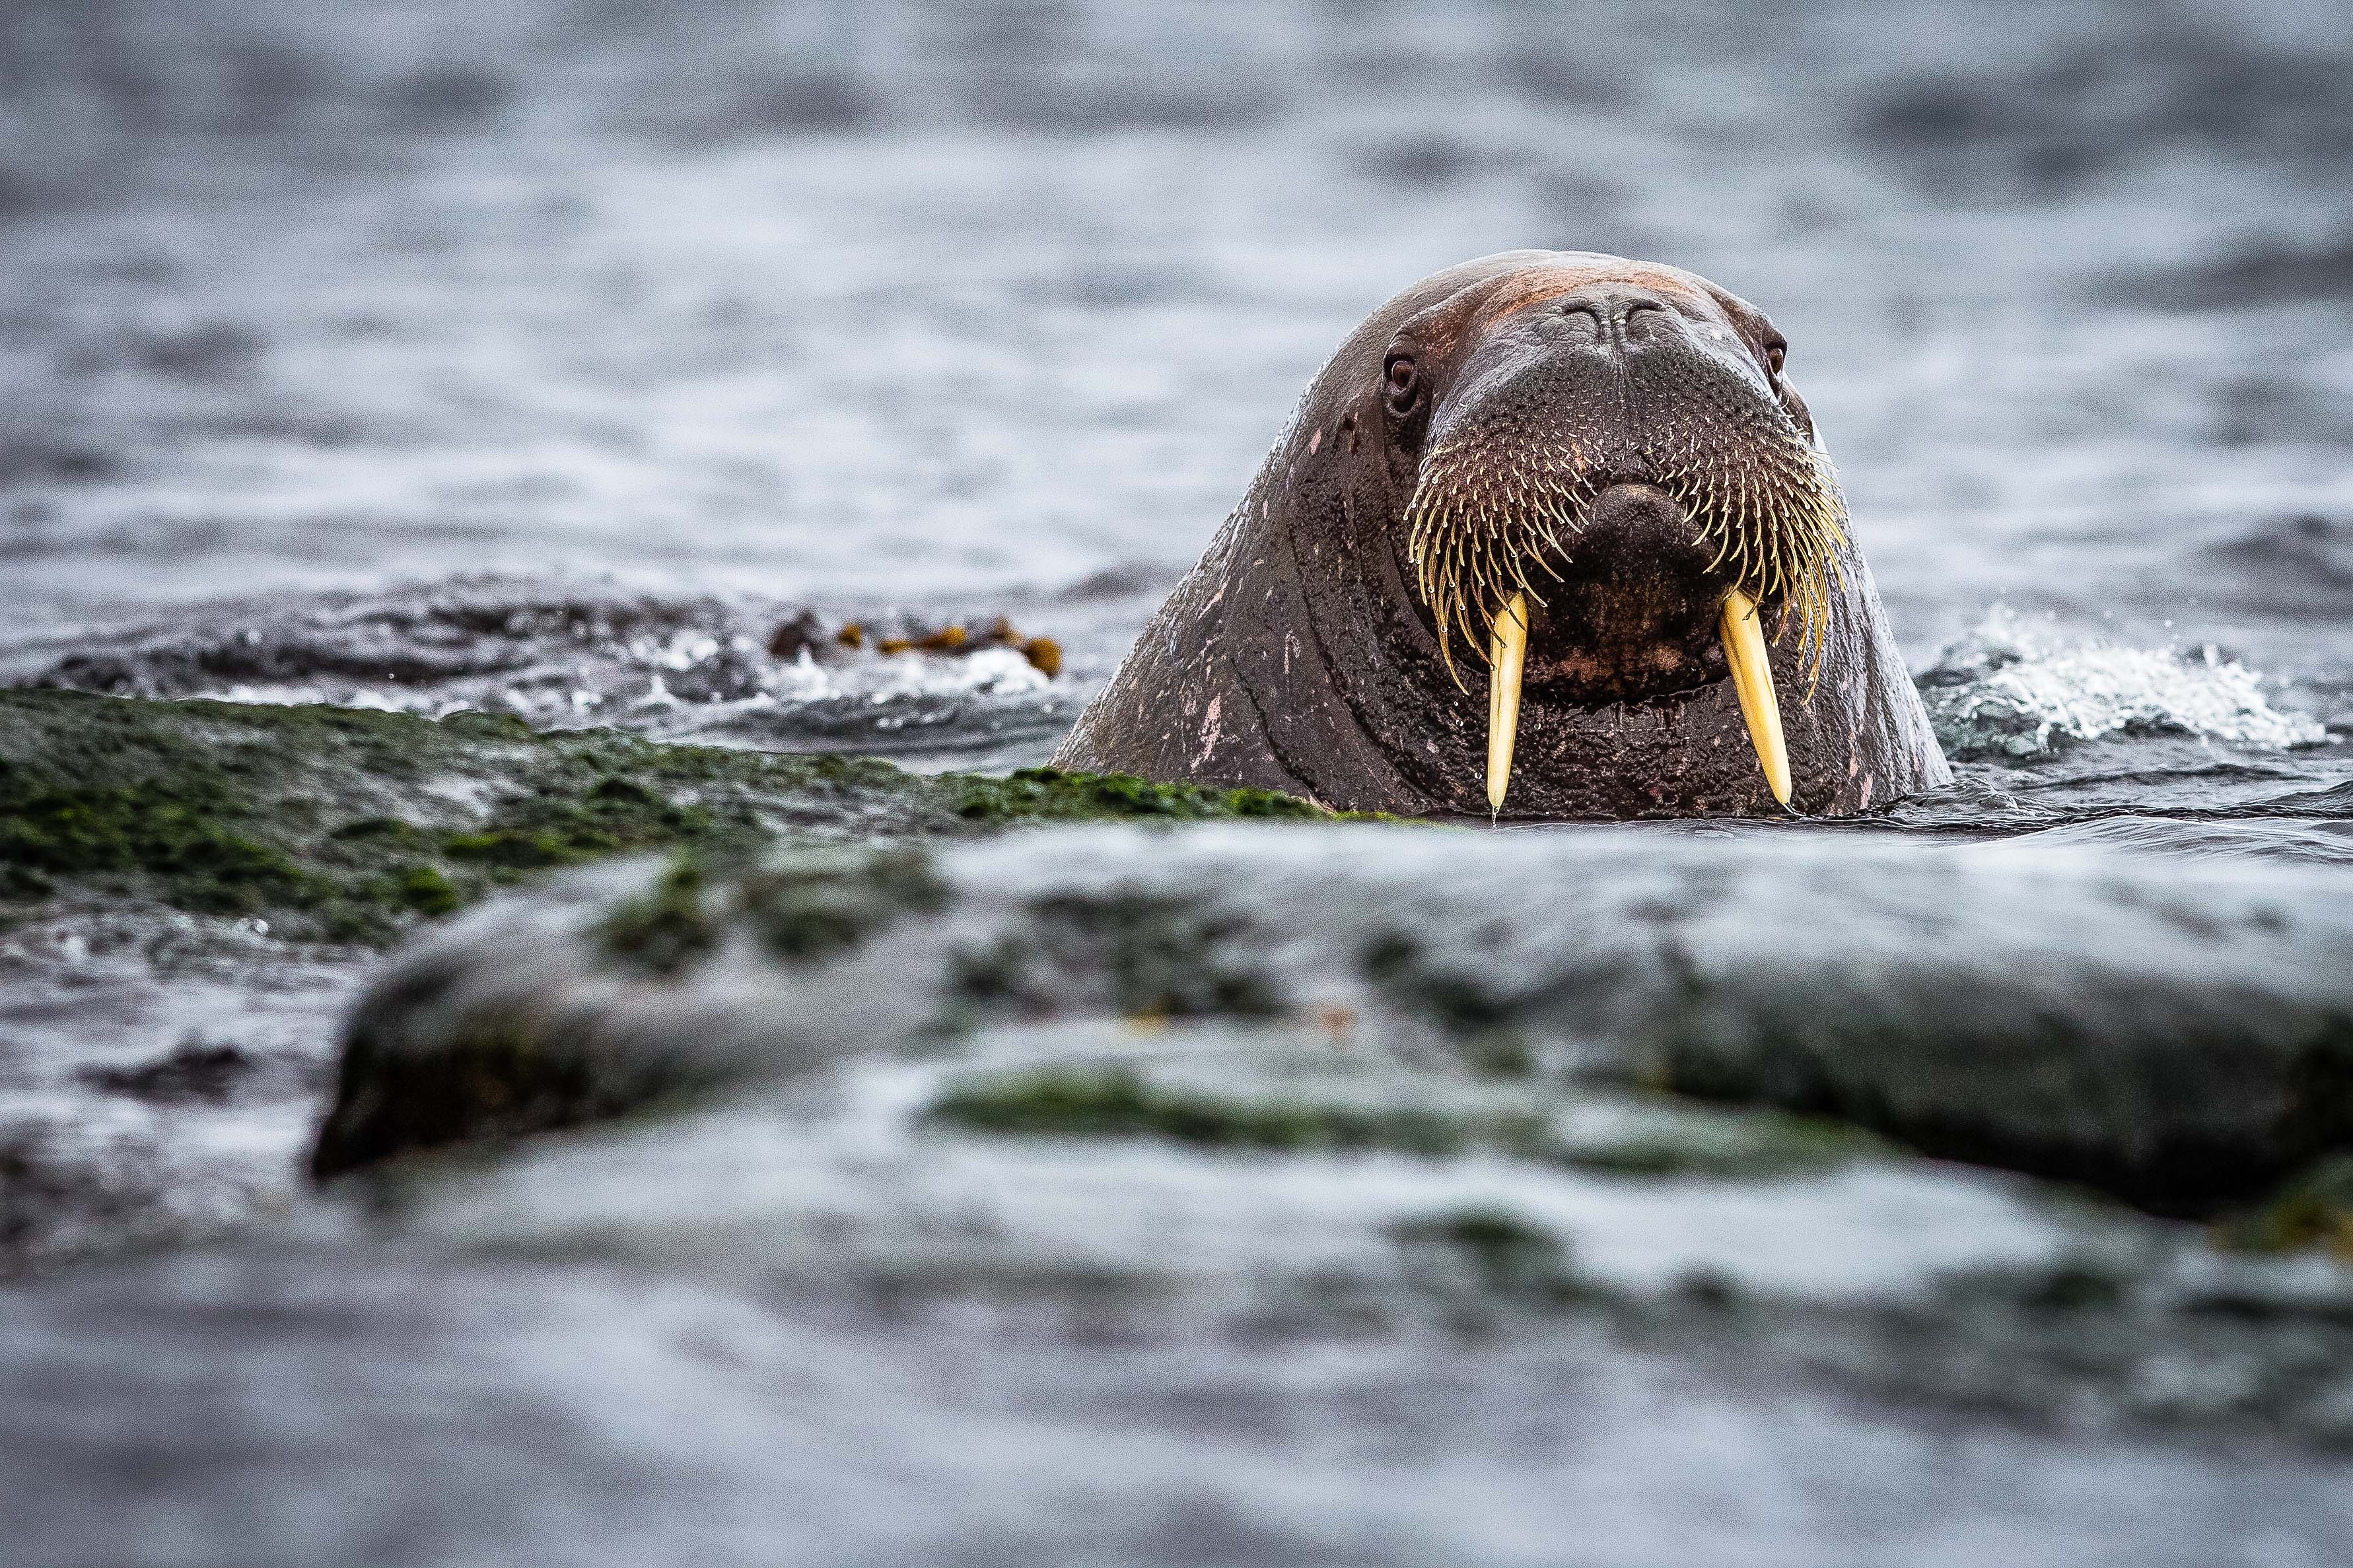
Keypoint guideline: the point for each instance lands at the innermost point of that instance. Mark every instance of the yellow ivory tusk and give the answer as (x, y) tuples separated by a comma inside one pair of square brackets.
[(1507, 655), (1752, 677)]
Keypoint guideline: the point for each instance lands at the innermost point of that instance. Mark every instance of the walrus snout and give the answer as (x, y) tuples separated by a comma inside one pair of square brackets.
[(1631, 610), (1619, 447)]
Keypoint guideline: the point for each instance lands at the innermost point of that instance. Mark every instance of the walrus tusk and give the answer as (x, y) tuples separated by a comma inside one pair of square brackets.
[(1752, 677), (1507, 655)]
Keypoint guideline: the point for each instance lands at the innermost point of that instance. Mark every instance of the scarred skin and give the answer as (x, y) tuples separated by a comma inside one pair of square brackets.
[(1301, 654)]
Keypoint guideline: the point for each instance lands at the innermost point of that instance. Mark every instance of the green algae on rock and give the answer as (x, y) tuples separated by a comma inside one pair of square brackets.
[(1664, 1141), (428, 1062), (2180, 1040), (350, 826), (1121, 1103), (1722, 1144), (1504, 1255), (820, 901), (825, 901), (1053, 794), (1139, 955), (669, 928), (2315, 1211)]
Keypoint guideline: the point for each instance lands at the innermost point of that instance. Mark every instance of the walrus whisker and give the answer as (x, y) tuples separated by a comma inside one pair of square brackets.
[(1720, 551), (1488, 522), (1520, 575)]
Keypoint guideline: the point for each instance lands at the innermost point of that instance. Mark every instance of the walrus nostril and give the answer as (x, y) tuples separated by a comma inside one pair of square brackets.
[(1612, 306)]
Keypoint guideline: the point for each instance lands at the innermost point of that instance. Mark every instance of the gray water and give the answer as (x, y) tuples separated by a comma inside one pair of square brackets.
[(550, 357)]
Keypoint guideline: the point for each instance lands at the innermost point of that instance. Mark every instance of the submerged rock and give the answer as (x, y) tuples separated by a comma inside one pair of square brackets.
[(198, 1071), (966, 691)]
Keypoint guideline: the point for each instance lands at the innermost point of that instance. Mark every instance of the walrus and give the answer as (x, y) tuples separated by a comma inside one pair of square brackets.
[(1550, 536)]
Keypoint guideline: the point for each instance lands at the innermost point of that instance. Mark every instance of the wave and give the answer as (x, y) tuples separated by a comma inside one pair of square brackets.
[(731, 671), (2006, 691)]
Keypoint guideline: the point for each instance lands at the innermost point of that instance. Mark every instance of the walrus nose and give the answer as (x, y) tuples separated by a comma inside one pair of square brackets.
[(1614, 313)]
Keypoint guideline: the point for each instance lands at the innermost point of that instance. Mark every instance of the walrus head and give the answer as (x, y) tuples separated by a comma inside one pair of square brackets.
[(1608, 479), (1582, 483)]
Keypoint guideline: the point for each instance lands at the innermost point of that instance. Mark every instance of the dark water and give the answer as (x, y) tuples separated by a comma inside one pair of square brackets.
[(552, 357)]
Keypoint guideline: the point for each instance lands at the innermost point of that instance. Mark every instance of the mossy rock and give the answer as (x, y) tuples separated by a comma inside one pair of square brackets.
[(443, 1050), (806, 907), (1148, 955), (350, 826), (1119, 1102), (1116, 1103), (500, 1077), (1498, 1253), (1052, 794), (2312, 1213), (1756, 1145)]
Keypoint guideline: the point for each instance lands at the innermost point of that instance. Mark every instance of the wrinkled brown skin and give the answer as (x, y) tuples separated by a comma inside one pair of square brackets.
[(1298, 655)]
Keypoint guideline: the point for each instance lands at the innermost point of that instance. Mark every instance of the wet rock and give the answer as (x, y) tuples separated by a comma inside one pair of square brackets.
[(802, 633), (194, 1070), (443, 1054), (351, 826), (728, 675), (2176, 1034)]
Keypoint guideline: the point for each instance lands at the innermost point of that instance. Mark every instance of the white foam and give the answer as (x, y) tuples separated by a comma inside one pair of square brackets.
[(2034, 690), (782, 683), (992, 671)]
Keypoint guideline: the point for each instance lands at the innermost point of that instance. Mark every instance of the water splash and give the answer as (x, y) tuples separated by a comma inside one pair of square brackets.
[(562, 657), (2005, 691)]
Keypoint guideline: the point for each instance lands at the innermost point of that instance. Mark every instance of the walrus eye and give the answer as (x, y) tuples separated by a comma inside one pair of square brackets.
[(1404, 382), (1774, 354)]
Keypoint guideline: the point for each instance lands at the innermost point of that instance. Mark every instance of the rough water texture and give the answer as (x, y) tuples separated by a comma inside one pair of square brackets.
[(601, 366)]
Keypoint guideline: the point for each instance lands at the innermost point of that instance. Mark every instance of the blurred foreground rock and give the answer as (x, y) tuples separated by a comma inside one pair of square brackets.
[(2179, 1035)]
